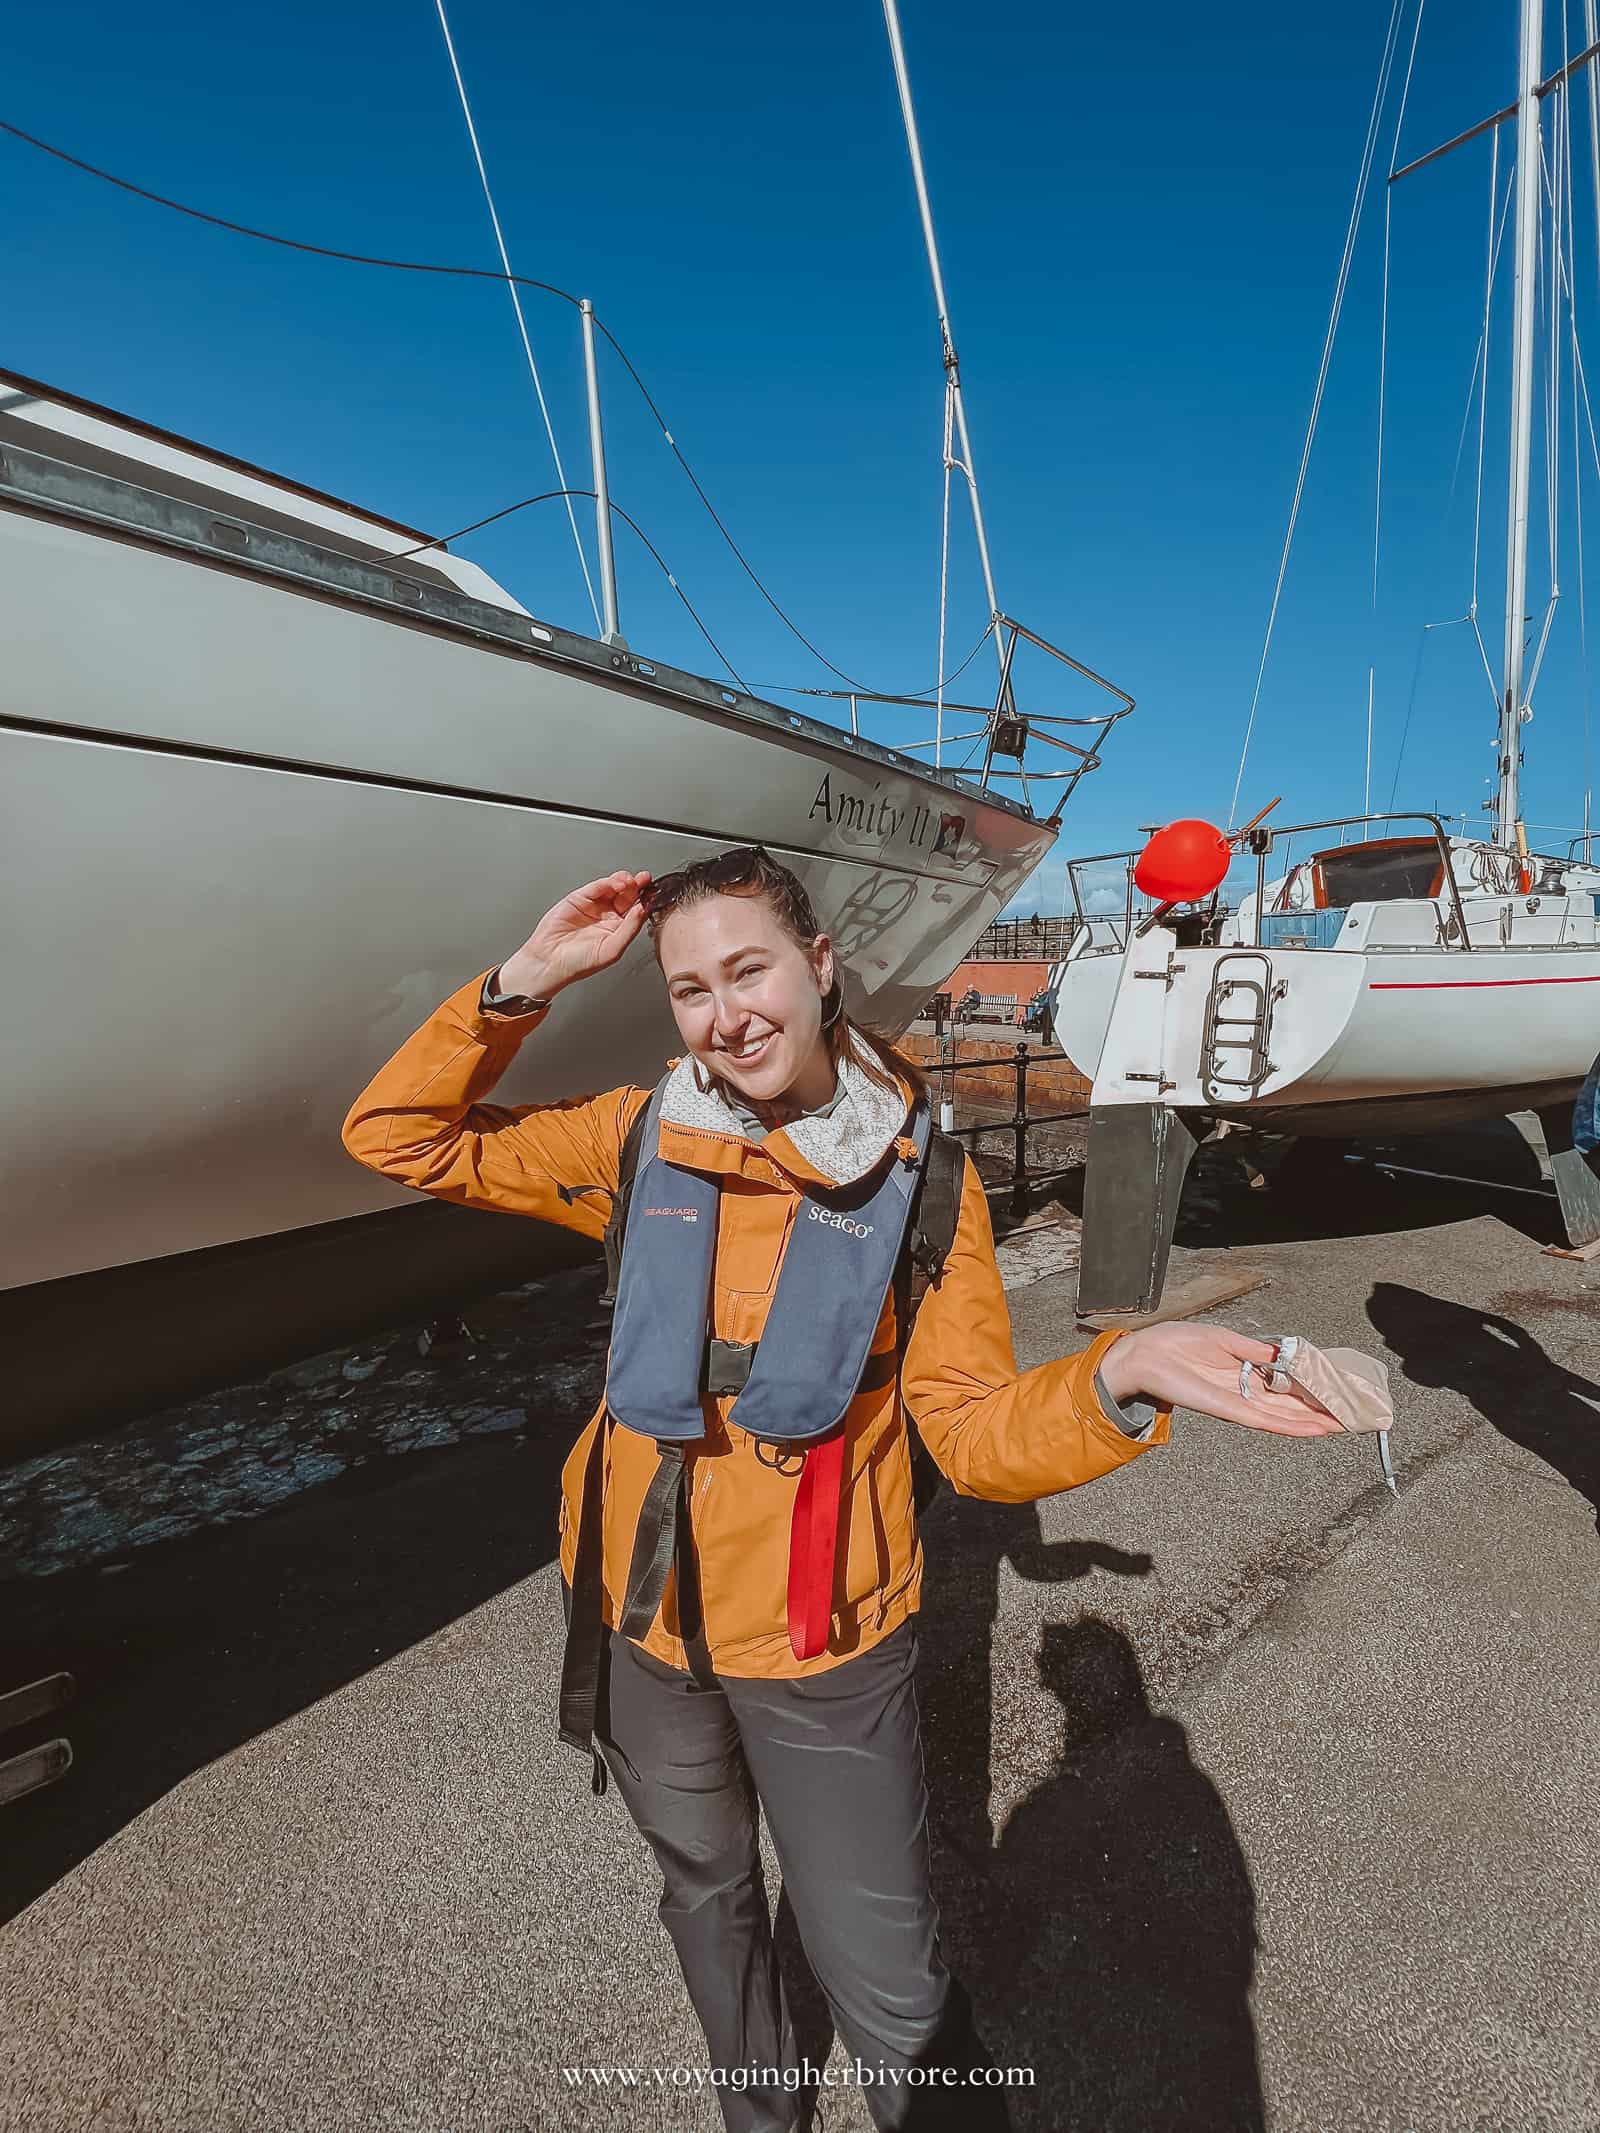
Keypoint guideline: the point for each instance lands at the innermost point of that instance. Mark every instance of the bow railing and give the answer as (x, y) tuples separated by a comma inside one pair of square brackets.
[(1004, 734)]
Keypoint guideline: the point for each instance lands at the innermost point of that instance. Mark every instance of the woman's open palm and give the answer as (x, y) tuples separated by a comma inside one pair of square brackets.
[(1199, 1366)]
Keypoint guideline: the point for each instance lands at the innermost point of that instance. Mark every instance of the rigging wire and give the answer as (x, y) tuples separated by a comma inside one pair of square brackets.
[(660, 562), (442, 542), (1383, 375), (291, 244), (955, 403), (1588, 410), (1559, 283), (516, 305), (423, 266), (1362, 181), (1589, 14), (1477, 387), (738, 553), (1577, 505), (1549, 277), (1581, 391), (1560, 157), (784, 688), (1383, 328), (1491, 265), (944, 579), (547, 496), (1427, 629)]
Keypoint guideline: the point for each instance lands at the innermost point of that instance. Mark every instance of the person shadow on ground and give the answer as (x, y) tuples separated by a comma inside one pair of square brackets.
[(1108, 1939), (1499, 1366), (1124, 1977)]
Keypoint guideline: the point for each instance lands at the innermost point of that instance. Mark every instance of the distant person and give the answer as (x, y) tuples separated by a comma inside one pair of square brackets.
[(1037, 1017), (741, 1566), (1586, 1119)]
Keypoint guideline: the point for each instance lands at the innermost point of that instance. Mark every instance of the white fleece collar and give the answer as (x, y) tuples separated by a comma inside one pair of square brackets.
[(842, 1144)]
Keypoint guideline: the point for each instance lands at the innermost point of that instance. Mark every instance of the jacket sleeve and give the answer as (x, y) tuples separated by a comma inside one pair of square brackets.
[(422, 1121), (995, 1433)]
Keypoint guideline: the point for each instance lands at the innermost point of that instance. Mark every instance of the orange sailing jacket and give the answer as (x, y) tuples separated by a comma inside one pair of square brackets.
[(423, 1121)]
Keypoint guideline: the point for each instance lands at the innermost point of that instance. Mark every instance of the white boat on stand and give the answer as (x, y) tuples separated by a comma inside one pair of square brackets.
[(1344, 999), (1387, 983)]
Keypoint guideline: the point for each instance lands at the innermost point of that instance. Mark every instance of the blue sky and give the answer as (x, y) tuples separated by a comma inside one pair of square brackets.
[(1142, 214)]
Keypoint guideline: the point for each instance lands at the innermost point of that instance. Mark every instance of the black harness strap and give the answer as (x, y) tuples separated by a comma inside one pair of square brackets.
[(583, 1666), (655, 1542), (611, 1242), (663, 1544), (937, 1209), (934, 1214)]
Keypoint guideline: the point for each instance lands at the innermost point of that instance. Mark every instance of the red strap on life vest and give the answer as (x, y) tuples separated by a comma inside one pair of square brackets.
[(813, 1536)]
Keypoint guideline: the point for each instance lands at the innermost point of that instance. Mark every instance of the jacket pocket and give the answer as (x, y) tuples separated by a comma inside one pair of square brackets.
[(751, 1233)]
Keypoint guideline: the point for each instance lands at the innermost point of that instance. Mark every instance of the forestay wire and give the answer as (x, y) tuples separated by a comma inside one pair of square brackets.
[(1363, 180)]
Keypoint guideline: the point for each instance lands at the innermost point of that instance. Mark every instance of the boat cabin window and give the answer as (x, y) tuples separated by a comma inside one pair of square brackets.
[(1381, 870)]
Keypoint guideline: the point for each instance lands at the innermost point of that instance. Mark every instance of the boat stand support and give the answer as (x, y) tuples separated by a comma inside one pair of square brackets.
[(1138, 1158), (1577, 1186)]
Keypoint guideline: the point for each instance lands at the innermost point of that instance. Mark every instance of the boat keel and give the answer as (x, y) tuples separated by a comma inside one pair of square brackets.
[(1577, 1187), (1138, 1158)]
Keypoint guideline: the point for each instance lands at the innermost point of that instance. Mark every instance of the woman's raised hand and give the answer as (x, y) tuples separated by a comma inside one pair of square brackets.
[(1198, 1367), (589, 930)]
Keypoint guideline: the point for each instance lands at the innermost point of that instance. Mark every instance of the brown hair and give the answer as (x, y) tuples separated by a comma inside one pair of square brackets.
[(750, 870)]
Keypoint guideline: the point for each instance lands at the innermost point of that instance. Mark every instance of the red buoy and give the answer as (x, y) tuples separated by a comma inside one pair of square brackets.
[(1183, 862)]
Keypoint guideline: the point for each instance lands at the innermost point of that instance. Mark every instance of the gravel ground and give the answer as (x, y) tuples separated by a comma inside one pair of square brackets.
[(1261, 1799)]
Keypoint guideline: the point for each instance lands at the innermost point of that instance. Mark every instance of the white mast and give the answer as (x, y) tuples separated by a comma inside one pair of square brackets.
[(952, 369), (1527, 253)]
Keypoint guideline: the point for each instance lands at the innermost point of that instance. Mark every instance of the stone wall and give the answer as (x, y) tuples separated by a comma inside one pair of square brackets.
[(1054, 1085)]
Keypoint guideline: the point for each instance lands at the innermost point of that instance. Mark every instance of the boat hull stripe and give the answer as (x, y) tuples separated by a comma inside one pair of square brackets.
[(1470, 984)]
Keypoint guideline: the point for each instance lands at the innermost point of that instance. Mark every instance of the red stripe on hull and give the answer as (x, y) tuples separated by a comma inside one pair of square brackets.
[(1472, 984)]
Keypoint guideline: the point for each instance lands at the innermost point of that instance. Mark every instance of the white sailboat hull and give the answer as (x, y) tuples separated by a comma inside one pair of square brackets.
[(254, 830), (1356, 1041)]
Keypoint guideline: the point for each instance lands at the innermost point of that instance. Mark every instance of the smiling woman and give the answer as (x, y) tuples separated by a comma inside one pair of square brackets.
[(739, 1544), (753, 985)]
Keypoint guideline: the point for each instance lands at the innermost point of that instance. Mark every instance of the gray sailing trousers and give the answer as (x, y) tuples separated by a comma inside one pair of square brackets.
[(835, 1759)]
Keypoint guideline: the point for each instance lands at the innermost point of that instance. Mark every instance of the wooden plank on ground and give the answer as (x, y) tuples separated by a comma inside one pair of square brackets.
[(1574, 1251), (1185, 1298)]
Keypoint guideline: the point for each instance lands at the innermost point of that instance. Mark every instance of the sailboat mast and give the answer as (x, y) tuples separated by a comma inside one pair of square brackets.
[(1527, 255), (952, 368)]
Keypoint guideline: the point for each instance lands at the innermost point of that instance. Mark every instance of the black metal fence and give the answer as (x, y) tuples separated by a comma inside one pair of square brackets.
[(1023, 940), (1023, 1176)]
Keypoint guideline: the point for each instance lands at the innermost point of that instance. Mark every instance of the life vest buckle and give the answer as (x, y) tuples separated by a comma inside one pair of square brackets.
[(728, 1365)]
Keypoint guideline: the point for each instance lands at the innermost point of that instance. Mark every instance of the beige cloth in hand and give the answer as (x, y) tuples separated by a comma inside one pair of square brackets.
[(1350, 1386)]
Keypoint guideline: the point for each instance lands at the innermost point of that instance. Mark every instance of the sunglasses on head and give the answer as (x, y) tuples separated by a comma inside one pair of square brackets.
[(729, 870)]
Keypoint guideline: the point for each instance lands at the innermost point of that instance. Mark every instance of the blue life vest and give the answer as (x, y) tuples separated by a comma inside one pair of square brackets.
[(837, 1268)]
